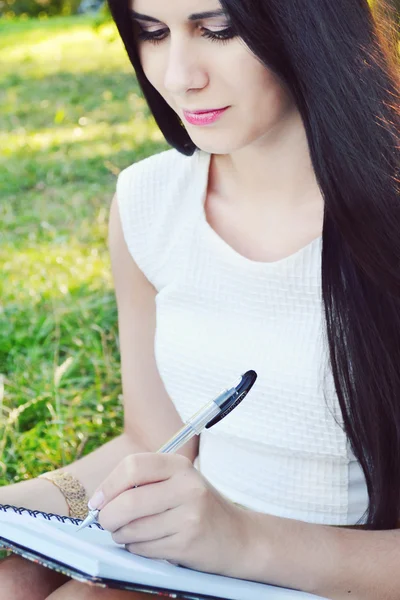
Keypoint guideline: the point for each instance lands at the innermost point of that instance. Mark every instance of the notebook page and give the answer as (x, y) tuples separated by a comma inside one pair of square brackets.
[(84, 550), (94, 552)]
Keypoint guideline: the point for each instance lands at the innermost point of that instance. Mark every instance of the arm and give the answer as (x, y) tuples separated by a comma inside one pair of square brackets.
[(150, 417), (331, 562)]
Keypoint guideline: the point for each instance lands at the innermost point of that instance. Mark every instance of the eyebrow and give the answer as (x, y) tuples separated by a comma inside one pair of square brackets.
[(194, 17)]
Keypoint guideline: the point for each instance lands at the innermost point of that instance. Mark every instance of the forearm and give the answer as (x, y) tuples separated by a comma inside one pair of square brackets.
[(91, 470), (331, 562)]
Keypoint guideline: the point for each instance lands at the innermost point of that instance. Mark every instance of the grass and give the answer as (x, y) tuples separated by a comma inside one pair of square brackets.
[(71, 117)]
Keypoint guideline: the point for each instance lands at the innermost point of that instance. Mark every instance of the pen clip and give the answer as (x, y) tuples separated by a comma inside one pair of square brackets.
[(241, 390)]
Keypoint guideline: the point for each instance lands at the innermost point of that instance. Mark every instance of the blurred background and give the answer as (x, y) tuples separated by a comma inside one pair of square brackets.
[(71, 117)]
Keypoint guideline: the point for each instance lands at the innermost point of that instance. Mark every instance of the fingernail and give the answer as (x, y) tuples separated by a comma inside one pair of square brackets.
[(96, 500)]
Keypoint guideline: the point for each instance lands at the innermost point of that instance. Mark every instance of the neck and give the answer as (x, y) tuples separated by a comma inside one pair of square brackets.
[(276, 172)]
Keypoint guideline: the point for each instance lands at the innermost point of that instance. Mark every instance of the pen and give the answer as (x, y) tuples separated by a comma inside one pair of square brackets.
[(206, 417)]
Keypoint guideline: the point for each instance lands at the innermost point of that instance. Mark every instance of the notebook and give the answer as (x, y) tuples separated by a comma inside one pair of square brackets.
[(91, 555)]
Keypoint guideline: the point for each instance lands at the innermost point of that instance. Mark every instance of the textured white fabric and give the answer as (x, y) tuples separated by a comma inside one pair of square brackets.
[(283, 450)]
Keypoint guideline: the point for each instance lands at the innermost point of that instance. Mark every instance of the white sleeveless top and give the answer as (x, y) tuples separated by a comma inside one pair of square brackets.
[(282, 451)]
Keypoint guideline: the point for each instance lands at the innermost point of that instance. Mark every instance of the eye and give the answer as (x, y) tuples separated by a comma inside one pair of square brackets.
[(156, 37), (219, 36)]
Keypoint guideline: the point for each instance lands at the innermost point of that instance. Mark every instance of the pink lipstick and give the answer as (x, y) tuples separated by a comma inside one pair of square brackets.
[(204, 117)]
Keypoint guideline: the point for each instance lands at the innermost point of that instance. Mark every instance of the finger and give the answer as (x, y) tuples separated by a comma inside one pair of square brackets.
[(138, 503), (162, 548), (148, 529), (137, 469)]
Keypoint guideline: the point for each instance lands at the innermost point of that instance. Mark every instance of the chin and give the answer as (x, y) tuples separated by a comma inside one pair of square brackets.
[(208, 145)]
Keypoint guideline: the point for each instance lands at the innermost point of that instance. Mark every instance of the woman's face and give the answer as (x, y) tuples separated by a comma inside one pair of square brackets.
[(193, 72)]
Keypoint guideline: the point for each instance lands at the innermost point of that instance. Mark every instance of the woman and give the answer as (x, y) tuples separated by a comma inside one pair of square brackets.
[(266, 238)]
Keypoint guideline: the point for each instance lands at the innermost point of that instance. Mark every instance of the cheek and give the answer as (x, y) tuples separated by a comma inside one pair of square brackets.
[(152, 64)]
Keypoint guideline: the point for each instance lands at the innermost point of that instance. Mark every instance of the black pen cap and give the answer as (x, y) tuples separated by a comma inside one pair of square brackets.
[(240, 392)]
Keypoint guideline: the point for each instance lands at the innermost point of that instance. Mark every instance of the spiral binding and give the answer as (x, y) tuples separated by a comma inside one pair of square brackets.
[(48, 516)]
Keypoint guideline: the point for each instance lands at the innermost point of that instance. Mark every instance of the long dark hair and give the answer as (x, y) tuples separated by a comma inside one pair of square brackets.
[(337, 60)]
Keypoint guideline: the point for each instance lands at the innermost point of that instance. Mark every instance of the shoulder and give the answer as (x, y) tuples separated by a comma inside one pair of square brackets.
[(153, 188), (156, 184), (154, 196), (153, 172)]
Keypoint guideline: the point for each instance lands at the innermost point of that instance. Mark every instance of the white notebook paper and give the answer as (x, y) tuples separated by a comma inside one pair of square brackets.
[(91, 554)]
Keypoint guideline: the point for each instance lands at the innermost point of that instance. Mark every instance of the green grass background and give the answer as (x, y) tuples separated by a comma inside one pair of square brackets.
[(71, 117)]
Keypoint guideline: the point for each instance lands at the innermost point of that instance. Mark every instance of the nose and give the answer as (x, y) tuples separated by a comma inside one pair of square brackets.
[(185, 69)]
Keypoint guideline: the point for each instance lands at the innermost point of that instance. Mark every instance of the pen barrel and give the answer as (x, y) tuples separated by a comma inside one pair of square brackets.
[(201, 418), (193, 427), (178, 440)]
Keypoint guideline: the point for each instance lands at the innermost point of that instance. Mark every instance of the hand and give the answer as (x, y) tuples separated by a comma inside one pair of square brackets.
[(174, 514)]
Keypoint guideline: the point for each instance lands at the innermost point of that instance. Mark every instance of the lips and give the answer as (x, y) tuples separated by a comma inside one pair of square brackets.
[(204, 118)]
